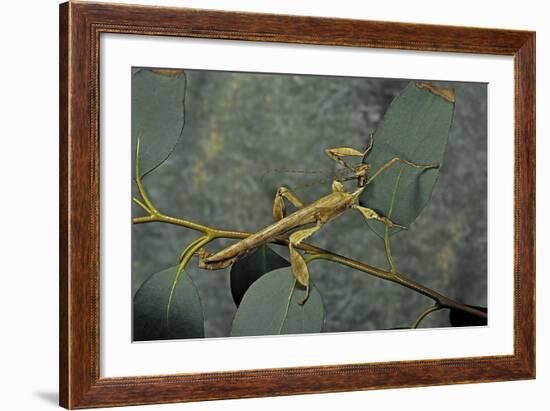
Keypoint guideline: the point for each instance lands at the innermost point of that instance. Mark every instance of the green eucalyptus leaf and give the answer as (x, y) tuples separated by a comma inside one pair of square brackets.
[(185, 319), (251, 267), (158, 114), (270, 307), (415, 128), (459, 318)]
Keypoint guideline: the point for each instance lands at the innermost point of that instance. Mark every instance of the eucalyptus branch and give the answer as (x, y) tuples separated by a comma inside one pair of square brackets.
[(317, 253)]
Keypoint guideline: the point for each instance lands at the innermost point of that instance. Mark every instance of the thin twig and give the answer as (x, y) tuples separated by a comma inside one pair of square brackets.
[(387, 248), (186, 256), (425, 313), (139, 182), (139, 203)]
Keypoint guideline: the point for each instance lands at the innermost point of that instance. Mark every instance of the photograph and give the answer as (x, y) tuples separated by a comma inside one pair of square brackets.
[(281, 202), (273, 203)]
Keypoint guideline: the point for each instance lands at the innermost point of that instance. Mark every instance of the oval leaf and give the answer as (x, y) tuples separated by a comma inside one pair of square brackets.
[(158, 114), (461, 318), (251, 267), (270, 307), (415, 128), (185, 319)]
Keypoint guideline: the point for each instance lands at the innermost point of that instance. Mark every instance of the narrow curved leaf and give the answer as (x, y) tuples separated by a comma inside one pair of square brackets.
[(185, 319), (415, 128), (299, 267), (251, 267), (158, 114), (270, 307), (461, 318)]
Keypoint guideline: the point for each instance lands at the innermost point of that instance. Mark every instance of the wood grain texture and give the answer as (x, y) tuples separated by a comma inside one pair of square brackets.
[(63, 204), (80, 27)]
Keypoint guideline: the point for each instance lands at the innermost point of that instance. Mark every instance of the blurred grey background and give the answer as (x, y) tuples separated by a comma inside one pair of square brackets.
[(244, 132)]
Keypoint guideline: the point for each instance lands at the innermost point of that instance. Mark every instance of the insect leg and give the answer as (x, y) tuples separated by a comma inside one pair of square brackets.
[(297, 263), (370, 214), (396, 160), (338, 153), (279, 206), (371, 143)]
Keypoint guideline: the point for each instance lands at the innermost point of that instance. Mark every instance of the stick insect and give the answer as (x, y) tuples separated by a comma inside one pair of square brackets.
[(318, 213)]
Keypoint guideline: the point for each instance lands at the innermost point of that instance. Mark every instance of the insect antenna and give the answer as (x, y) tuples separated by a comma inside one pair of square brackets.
[(341, 175), (294, 171)]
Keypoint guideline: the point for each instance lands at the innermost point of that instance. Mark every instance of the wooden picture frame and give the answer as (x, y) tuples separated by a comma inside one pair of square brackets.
[(80, 27)]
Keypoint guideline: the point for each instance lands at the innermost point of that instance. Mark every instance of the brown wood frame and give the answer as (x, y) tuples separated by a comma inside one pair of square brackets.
[(80, 27)]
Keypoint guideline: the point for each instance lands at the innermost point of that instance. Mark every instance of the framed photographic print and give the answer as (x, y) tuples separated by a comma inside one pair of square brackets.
[(257, 205)]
